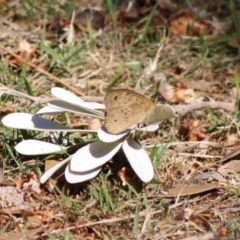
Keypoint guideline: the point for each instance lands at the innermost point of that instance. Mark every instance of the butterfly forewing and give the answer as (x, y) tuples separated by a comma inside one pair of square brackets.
[(125, 108)]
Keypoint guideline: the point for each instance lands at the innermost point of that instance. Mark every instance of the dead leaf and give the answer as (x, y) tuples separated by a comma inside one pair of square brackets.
[(230, 167), (200, 217), (232, 154), (176, 94), (233, 43), (32, 183), (27, 52), (49, 163), (58, 176), (5, 110), (37, 218), (223, 232), (24, 233), (186, 23), (190, 190), (193, 131)]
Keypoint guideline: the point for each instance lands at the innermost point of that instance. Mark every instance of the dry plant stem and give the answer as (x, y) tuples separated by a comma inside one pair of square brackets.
[(39, 100), (183, 109), (57, 80)]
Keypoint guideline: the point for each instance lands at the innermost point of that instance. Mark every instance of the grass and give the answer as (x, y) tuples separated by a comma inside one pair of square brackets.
[(119, 58)]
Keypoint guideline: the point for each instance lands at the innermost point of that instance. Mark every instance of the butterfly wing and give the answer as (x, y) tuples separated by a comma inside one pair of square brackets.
[(125, 108)]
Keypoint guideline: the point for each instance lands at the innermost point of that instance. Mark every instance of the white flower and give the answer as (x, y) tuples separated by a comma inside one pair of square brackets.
[(87, 162)]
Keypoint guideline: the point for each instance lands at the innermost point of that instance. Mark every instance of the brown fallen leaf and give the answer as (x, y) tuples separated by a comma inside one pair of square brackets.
[(190, 190), (199, 217), (233, 154), (229, 167), (194, 131), (25, 51), (223, 232), (176, 94), (49, 163), (37, 218), (58, 175), (32, 183), (233, 43), (185, 22), (5, 110)]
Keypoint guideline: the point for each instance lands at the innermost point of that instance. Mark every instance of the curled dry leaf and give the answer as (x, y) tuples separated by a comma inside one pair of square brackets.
[(223, 232), (5, 110), (26, 51), (185, 22), (176, 94), (200, 218), (32, 183), (37, 218), (193, 131)]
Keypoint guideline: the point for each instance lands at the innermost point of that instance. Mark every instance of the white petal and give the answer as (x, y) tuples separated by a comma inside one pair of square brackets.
[(75, 177), (67, 107), (107, 137), (69, 97), (36, 147), (50, 111), (94, 155), (96, 105), (138, 159), (31, 122), (149, 128), (52, 170)]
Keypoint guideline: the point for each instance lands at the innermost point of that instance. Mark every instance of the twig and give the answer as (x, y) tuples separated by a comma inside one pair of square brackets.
[(56, 79), (183, 109), (39, 100)]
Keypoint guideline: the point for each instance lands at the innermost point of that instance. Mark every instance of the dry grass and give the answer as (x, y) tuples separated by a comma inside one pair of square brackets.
[(102, 208)]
